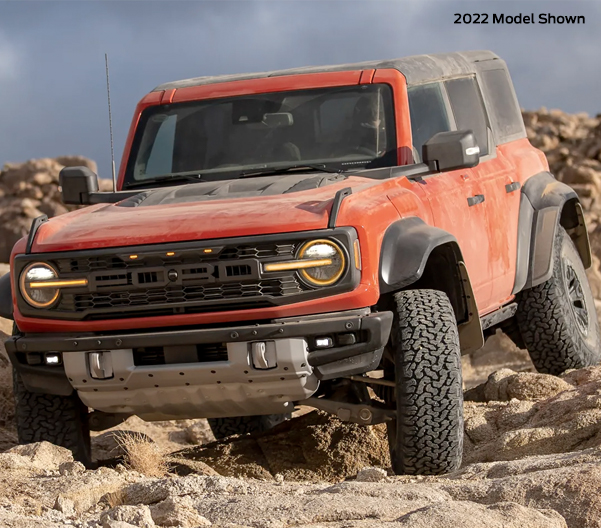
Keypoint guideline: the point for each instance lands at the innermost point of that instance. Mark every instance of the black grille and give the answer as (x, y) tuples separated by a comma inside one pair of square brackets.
[(161, 282), (176, 295), (188, 256), (204, 353)]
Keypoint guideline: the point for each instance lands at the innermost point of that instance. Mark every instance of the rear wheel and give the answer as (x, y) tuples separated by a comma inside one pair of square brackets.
[(61, 420), (427, 436), (557, 319), (224, 427)]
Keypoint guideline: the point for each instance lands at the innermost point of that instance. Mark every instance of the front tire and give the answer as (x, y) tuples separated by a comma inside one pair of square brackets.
[(60, 420), (427, 436), (557, 319)]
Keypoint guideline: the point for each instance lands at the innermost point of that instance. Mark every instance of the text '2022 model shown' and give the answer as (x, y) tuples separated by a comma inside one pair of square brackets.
[(334, 237)]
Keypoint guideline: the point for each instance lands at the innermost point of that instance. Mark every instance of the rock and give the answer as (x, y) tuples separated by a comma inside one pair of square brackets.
[(43, 455), (371, 474), (505, 385), (470, 514), (199, 433), (134, 515), (30, 189), (64, 505), (177, 511), (71, 468)]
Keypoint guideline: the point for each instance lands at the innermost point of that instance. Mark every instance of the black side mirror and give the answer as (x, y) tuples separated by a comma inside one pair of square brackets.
[(77, 184), (448, 151)]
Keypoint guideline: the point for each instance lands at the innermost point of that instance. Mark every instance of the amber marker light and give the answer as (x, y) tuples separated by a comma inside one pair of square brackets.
[(207, 250), (297, 264), (133, 257), (59, 284), (171, 253), (357, 255)]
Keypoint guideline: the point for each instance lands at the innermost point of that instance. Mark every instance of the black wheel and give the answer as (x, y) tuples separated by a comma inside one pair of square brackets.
[(427, 436), (61, 420), (224, 427), (557, 319)]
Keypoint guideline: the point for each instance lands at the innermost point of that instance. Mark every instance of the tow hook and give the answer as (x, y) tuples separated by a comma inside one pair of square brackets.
[(363, 414)]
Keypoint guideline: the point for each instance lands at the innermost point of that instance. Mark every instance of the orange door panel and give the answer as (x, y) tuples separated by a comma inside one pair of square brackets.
[(455, 199), (502, 203)]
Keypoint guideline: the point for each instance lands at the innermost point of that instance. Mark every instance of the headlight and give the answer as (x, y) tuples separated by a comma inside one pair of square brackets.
[(331, 261), (36, 285)]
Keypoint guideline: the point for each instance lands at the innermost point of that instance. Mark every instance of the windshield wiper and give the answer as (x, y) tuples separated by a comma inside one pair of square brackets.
[(169, 177), (281, 170)]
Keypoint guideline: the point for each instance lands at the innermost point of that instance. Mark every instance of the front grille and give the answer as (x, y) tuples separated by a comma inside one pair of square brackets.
[(190, 280)]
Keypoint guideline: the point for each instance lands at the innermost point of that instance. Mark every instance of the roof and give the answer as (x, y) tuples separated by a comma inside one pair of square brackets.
[(416, 69)]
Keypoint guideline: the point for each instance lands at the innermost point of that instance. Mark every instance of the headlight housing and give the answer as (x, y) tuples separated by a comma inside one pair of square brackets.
[(36, 285), (322, 251)]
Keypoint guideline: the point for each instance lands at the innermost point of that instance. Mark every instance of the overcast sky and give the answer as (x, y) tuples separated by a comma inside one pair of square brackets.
[(52, 84)]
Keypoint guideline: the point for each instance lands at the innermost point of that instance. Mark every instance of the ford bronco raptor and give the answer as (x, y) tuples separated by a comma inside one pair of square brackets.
[(334, 237)]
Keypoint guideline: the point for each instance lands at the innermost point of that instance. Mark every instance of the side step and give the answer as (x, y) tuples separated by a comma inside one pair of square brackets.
[(498, 316)]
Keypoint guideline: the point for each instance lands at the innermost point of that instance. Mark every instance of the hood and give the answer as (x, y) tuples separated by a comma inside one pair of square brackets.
[(200, 211)]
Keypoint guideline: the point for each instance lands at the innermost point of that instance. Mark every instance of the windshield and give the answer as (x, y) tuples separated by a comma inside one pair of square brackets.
[(344, 127)]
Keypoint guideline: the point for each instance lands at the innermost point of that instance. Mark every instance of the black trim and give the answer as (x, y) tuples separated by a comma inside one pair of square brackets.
[(406, 246), (6, 298), (340, 195), (40, 378), (111, 197), (510, 187), (475, 200), (374, 326), (35, 225), (547, 197)]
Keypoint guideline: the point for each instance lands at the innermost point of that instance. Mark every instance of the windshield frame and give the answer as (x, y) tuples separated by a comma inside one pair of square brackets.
[(388, 159)]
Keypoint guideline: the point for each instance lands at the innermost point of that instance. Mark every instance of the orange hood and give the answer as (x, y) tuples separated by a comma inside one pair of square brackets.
[(200, 211)]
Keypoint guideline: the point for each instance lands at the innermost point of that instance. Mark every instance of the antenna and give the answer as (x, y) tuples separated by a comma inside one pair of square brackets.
[(108, 93)]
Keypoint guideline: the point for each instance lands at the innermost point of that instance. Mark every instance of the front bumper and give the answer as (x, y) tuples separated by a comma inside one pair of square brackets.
[(176, 389)]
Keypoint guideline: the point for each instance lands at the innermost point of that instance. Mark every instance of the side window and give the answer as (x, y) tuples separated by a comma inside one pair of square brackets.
[(468, 109), (505, 112), (428, 115)]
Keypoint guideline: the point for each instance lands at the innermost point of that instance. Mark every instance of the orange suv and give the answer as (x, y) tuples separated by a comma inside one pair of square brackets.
[(334, 237)]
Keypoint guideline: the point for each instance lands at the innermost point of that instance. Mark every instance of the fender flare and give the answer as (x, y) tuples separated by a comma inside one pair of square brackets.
[(407, 248), (545, 204), (6, 298)]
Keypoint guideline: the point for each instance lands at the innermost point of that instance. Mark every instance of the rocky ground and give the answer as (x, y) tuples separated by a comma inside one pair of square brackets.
[(532, 453)]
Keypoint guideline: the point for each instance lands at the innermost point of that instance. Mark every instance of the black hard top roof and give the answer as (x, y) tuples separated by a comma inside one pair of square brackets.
[(416, 69)]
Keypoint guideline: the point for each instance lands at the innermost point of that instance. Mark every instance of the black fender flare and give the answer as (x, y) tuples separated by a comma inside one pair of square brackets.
[(409, 245), (545, 204), (6, 298), (406, 246)]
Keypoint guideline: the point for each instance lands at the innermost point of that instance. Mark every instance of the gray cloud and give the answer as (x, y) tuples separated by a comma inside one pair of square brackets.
[(52, 55)]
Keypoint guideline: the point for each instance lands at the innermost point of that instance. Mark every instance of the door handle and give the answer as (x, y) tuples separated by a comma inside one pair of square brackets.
[(510, 187), (474, 200)]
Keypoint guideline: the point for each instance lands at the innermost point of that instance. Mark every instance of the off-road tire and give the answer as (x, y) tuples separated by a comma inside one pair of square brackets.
[(427, 436), (557, 332), (224, 427), (61, 420)]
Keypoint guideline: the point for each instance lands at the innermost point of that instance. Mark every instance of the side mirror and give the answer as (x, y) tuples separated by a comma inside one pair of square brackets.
[(77, 184), (448, 151)]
